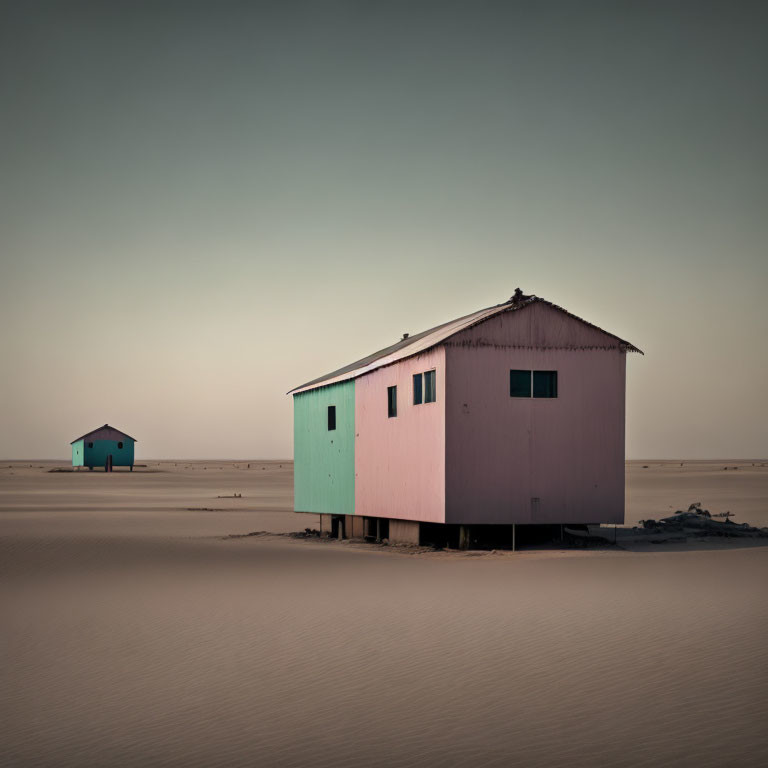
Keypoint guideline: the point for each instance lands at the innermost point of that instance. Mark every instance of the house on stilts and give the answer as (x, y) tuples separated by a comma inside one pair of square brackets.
[(486, 429), (103, 447)]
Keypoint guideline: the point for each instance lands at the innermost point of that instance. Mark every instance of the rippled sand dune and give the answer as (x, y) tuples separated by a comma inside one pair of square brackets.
[(134, 634)]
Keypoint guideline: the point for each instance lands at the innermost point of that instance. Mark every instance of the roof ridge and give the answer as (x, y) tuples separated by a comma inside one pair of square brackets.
[(388, 355), (125, 434)]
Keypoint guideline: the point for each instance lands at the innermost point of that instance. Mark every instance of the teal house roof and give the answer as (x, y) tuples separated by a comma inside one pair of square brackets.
[(105, 433)]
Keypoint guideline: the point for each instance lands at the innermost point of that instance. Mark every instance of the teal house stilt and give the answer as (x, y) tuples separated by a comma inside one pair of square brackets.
[(103, 447)]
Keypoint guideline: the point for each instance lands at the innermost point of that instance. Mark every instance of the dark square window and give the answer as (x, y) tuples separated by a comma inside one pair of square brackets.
[(519, 383), (391, 401), (417, 388), (430, 393), (90, 445), (331, 417), (545, 383), (119, 445)]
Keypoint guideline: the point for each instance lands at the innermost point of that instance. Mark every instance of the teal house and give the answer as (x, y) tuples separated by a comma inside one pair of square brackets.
[(103, 447)]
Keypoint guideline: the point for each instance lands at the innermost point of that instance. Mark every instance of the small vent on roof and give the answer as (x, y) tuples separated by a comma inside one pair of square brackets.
[(405, 336)]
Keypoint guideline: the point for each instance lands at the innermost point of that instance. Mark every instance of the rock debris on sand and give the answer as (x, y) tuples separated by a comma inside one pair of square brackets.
[(693, 523)]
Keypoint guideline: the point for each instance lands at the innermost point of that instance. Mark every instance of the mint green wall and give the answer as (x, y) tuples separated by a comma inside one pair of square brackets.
[(77, 454), (97, 456), (324, 461)]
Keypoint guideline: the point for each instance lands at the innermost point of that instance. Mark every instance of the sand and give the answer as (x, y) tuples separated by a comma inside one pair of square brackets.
[(659, 488), (135, 634)]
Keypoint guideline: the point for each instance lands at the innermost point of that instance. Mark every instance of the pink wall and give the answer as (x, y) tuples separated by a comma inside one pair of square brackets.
[(501, 452), (400, 462)]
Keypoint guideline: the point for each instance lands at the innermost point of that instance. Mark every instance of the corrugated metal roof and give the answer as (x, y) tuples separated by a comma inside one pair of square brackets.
[(98, 429), (421, 342)]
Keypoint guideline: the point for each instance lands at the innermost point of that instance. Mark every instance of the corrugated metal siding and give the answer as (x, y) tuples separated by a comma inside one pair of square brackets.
[(97, 456), (540, 326), (324, 461), (400, 461), (77, 454), (529, 460)]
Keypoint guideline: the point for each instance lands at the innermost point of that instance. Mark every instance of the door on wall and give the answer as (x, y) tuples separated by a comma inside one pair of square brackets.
[(108, 466)]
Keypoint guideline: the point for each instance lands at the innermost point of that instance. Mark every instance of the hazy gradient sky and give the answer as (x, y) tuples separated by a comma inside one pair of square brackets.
[(205, 204)]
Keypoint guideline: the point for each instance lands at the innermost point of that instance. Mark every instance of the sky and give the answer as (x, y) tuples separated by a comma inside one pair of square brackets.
[(205, 204)]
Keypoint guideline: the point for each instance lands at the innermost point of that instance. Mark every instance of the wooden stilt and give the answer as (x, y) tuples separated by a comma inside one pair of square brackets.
[(514, 549)]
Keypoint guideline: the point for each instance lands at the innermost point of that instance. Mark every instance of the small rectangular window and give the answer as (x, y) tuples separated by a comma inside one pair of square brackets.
[(519, 383), (119, 446), (391, 401), (331, 417), (430, 393), (545, 383), (417, 385)]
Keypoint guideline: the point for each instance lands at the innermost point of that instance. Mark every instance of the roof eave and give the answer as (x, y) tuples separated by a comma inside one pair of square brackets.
[(483, 316)]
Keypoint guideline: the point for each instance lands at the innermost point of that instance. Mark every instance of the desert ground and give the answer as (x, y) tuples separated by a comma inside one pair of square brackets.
[(137, 631)]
